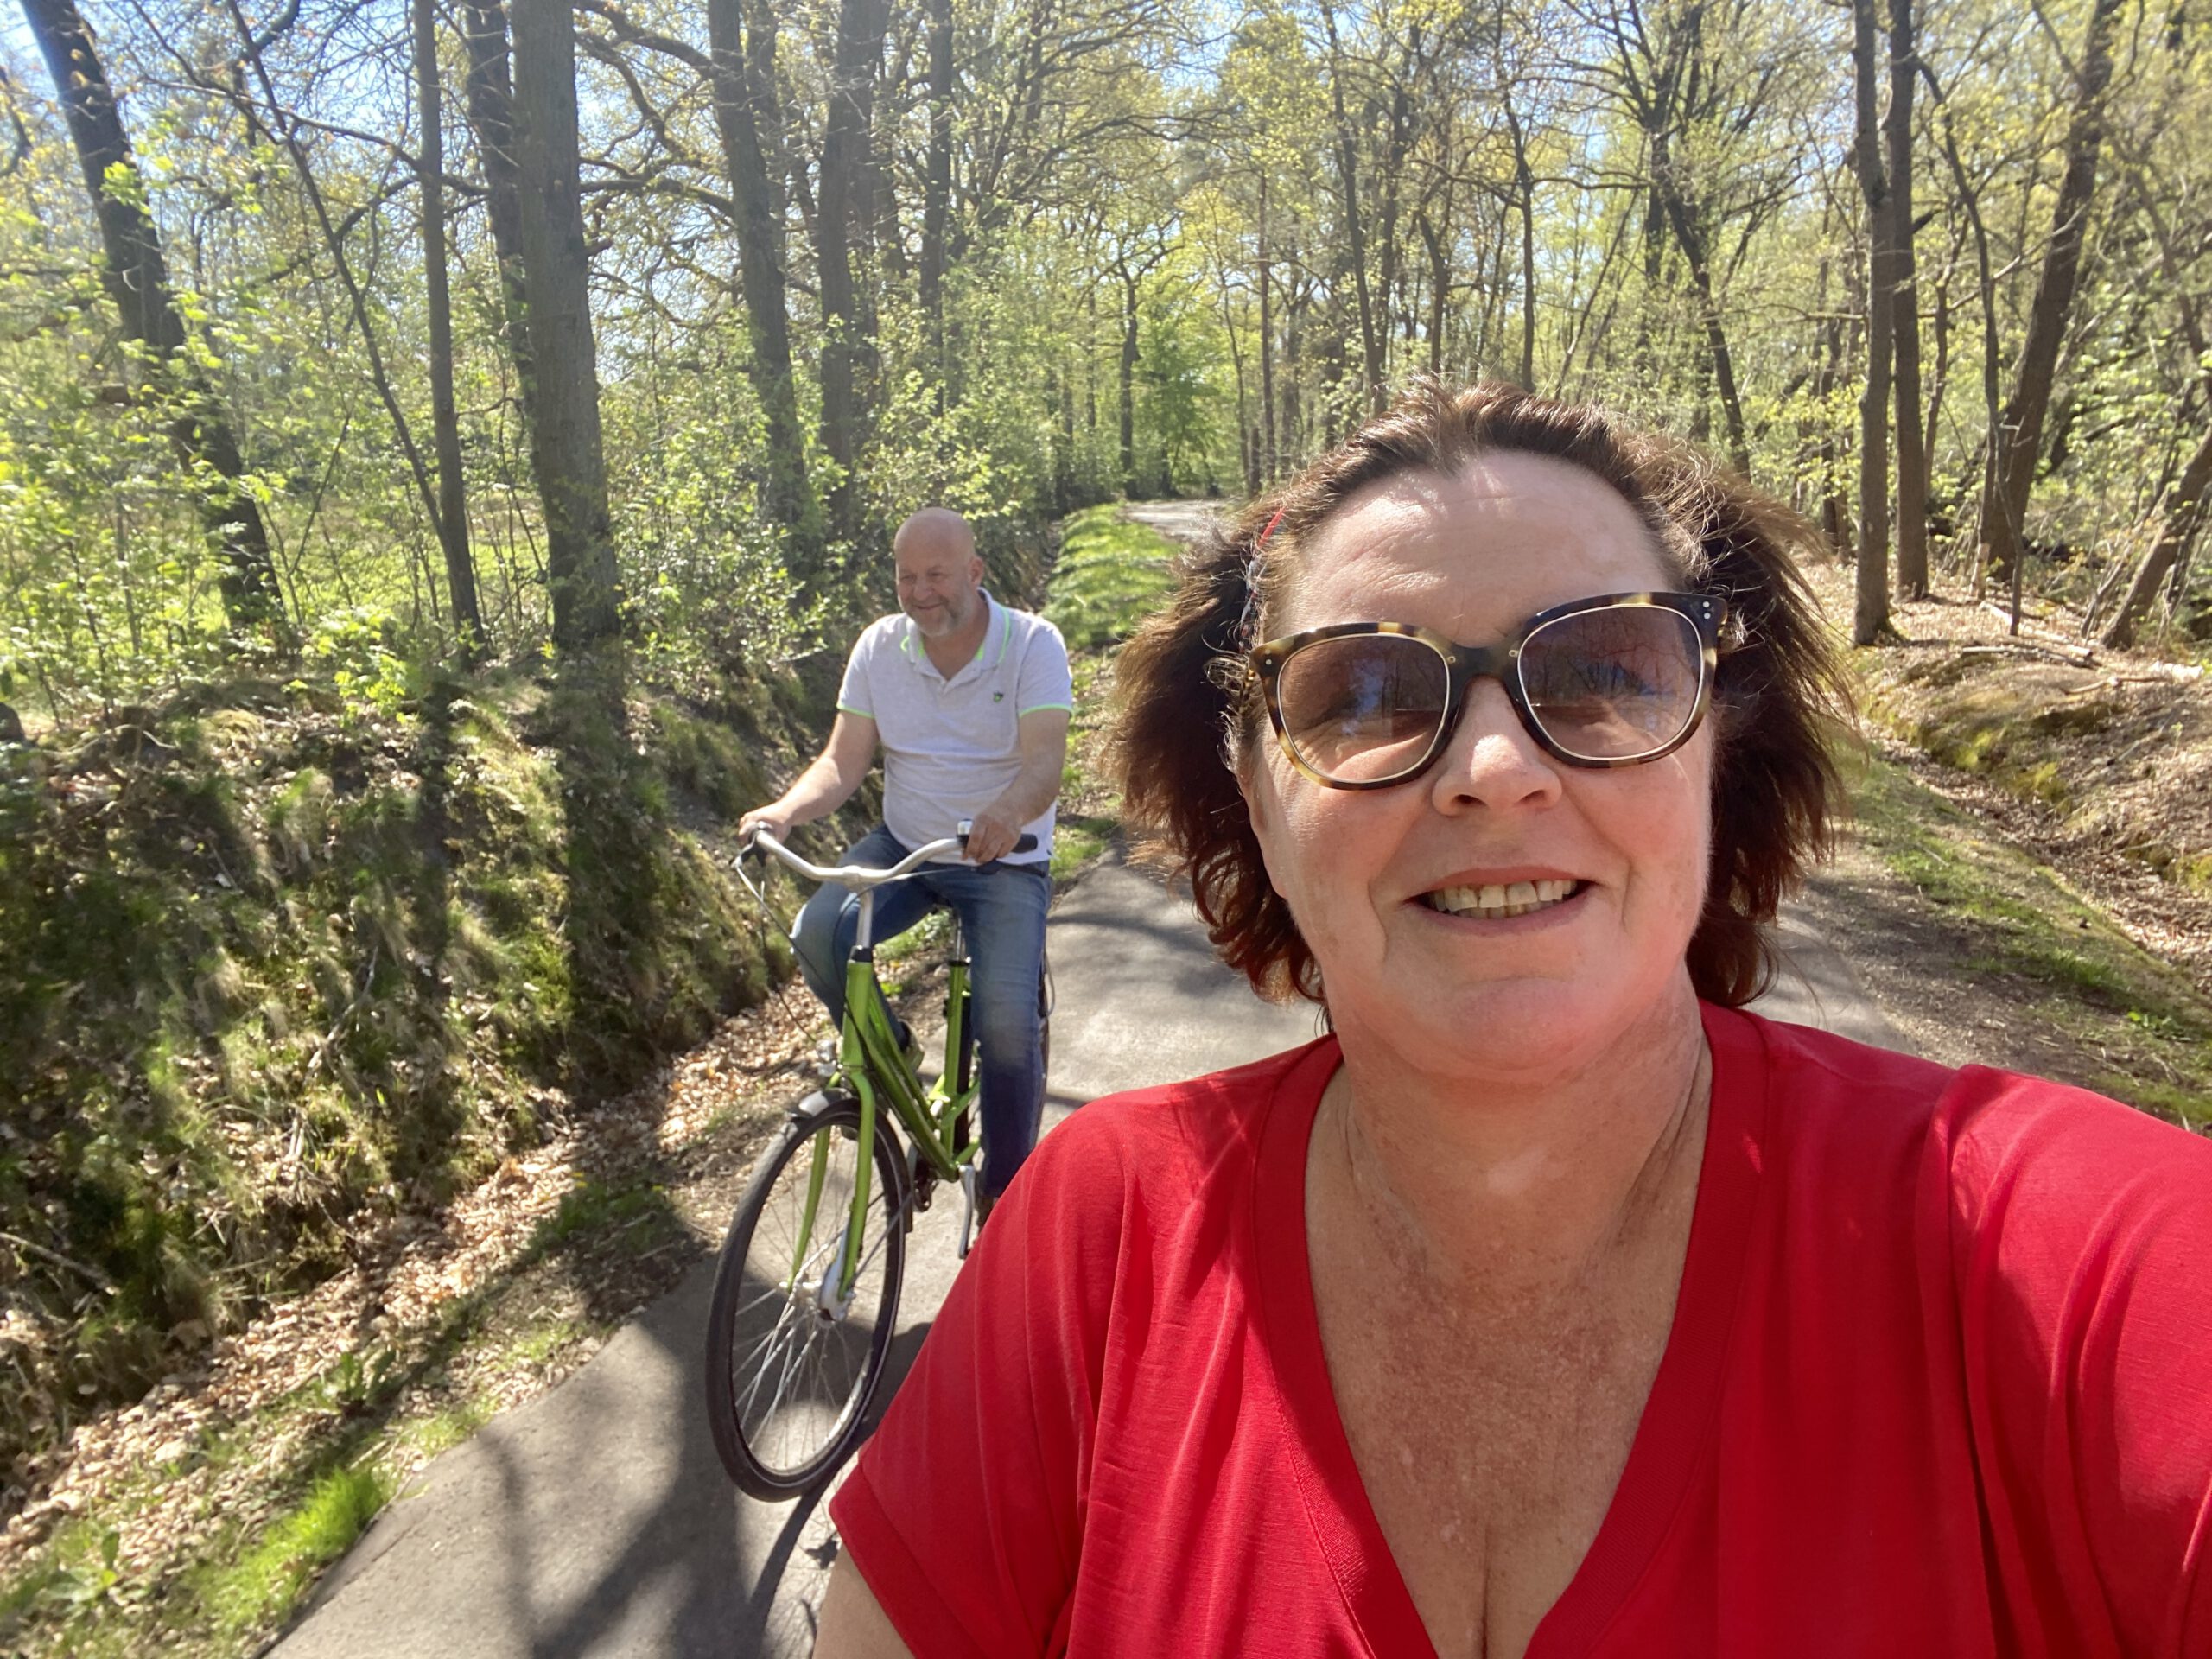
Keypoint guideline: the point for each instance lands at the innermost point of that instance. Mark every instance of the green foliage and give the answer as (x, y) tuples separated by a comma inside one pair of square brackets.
[(1109, 574)]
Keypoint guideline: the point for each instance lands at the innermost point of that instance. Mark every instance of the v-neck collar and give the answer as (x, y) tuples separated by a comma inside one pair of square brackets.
[(1672, 1436)]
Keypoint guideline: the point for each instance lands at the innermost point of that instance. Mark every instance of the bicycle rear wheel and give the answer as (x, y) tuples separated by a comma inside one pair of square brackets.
[(791, 1365)]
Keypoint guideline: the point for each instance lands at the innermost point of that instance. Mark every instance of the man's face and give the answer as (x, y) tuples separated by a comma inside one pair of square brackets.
[(939, 584)]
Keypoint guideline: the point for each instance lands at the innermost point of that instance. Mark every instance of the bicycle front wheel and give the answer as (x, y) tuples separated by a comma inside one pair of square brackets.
[(793, 1356)]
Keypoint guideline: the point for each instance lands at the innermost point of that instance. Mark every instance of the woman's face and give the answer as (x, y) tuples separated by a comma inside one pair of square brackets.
[(1367, 875)]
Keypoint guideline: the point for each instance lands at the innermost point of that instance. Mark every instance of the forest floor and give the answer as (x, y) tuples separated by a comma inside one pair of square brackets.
[(2027, 880), (2041, 897)]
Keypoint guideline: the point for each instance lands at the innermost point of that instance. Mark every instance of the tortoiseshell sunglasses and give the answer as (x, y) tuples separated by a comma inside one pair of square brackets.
[(1613, 681)]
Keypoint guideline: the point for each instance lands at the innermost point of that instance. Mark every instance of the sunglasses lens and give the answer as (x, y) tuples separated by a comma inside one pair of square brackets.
[(1616, 683), (1364, 707)]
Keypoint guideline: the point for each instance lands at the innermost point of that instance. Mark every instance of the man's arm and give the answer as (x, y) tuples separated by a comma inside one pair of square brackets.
[(825, 785), (1042, 740)]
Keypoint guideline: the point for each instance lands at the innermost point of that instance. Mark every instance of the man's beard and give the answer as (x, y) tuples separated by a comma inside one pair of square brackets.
[(948, 619)]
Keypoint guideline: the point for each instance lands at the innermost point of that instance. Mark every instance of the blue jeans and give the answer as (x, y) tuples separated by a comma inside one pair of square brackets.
[(1001, 909)]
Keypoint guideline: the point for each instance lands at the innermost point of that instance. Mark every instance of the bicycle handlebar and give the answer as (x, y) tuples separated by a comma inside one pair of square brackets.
[(858, 877)]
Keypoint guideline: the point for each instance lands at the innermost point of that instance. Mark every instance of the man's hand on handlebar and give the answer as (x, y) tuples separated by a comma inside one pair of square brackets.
[(777, 823), (991, 837)]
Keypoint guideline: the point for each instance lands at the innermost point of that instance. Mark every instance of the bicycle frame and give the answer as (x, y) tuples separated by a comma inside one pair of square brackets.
[(872, 1064)]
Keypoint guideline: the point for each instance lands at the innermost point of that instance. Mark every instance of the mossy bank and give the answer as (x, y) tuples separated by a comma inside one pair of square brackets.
[(277, 962)]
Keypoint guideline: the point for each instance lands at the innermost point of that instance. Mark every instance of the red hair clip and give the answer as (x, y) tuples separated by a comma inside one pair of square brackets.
[(1245, 618)]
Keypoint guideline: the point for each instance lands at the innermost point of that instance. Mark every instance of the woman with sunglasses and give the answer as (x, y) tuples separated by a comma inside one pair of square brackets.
[(1550, 1305)]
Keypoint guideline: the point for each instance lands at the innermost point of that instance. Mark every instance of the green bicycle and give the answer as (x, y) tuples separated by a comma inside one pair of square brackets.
[(806, 1293)]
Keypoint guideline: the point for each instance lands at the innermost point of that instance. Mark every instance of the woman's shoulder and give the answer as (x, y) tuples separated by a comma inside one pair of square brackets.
[(1997, 1135)]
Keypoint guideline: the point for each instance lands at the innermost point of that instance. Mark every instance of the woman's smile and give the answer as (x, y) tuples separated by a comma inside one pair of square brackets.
[(1502, 897)]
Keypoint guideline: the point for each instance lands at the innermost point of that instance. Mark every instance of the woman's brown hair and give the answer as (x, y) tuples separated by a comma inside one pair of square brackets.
[(1190, 710)]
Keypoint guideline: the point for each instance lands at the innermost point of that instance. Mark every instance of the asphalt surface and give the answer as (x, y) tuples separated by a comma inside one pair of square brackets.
[(597, 1521)]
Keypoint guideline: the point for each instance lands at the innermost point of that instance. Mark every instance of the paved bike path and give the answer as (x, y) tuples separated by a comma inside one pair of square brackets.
[(596, 1521)]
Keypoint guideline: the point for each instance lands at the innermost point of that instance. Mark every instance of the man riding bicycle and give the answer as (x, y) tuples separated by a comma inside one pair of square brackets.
[(970, 702)]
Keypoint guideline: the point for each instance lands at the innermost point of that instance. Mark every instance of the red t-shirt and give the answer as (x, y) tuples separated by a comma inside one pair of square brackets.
[(1939, 1382)]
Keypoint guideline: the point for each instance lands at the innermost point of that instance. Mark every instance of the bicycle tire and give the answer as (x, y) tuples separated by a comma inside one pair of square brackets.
[(823, 1365)]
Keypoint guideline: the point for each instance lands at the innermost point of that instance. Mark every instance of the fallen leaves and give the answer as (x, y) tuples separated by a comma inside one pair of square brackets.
[(209, 1450)]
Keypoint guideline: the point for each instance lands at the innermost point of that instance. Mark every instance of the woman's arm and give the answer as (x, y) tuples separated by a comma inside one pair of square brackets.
[(854, 1624)]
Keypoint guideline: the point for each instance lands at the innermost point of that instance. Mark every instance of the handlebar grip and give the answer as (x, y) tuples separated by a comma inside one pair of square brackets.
[(1025, 843)]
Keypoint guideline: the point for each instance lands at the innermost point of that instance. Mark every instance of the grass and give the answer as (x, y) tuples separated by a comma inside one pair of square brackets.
[(1109, 574), (258, 1588), (2142, 1032), (1077, 841)]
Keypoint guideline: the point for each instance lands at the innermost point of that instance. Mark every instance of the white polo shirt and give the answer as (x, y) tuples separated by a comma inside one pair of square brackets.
[(951, 747)]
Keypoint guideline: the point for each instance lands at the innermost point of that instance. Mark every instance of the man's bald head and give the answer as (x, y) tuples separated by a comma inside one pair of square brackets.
[(940, 578), (939, 529)]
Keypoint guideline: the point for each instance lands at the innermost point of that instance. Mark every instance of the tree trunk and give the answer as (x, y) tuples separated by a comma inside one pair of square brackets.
[(135, 276), (937, 185), (861, 25), (1912, 451), (1439, 288), (1390, 272), (1128, 376), (2184, 510), (1063, 448), (1270, 449), (1691, 239), (1991, 392), (1836, 510), (1246, 456), (1871, 609), (565, 448), (491, 113), (1370, 341), (2019, 439), (445, 421), (1524, 187), (786, 492)]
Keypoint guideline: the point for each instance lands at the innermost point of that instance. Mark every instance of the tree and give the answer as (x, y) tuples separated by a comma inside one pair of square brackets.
[(453, 490), (2178, 526), (565, 443), (937, 188), (2017, 447), (135, 276), (491, 112), (1912, 445), (743, 84), (845, 350), (1870, 612)]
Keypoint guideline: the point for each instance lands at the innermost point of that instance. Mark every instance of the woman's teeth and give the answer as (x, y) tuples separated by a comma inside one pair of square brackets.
[(1493, 902)]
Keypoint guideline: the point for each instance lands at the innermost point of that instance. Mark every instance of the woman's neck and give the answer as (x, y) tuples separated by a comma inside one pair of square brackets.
[(1519, 1185)]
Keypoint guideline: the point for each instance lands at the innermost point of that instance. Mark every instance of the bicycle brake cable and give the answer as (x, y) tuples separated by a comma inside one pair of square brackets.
[(782, 987)]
